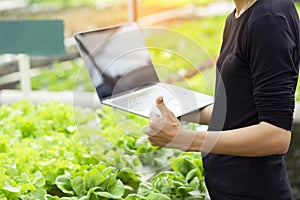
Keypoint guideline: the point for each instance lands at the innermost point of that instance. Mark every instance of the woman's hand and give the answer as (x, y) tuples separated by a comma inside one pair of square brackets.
[(165, 129)]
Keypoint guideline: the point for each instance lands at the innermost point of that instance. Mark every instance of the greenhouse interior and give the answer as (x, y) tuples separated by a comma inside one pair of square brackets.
[(57, 141)]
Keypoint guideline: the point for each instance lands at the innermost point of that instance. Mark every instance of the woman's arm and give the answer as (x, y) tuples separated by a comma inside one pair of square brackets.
[(262, 139)]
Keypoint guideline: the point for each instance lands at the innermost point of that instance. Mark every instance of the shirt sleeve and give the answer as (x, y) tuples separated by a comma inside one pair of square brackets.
[(271, 49)]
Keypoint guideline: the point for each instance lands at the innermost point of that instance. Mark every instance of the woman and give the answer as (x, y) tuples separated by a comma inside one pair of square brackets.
[(258, 70)]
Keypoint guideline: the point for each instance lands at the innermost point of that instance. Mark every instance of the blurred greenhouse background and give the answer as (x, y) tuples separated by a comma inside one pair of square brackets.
[(60, 143)]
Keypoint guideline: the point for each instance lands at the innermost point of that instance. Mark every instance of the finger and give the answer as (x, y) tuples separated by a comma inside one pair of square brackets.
[(153, 142), (151, 131), (159, 100), (155, 111), (161, 104), (154, 116), (156, 121), (158, 141)]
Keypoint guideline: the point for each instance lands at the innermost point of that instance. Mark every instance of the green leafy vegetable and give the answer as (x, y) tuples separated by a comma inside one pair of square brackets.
[(46, 154)]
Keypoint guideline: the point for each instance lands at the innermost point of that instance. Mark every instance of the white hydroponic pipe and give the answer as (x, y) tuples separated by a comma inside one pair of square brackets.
[(84, 99)]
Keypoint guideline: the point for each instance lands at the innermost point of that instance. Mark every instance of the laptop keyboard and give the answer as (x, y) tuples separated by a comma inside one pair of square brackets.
[(143, 100), (137, 101)]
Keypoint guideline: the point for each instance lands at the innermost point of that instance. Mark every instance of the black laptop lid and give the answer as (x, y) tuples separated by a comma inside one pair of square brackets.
[(116, 58)]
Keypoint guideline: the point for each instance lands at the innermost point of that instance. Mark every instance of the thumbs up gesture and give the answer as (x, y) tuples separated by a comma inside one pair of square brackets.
[(164, 128)]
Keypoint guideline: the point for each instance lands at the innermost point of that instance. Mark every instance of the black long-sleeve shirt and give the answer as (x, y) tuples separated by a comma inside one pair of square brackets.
[(257, 74)]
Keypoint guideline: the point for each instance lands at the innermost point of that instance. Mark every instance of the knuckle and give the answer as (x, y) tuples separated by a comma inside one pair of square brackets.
[(151, 123), (152, 142), (147, 130)]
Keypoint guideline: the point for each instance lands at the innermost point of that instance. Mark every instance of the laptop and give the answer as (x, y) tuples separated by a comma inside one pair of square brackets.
[(122, 72)]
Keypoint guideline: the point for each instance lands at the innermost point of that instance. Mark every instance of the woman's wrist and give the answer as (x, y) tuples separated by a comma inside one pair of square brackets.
[(201, 141), (191, 140)]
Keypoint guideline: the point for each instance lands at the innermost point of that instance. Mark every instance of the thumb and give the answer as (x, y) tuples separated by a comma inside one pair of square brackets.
[(160, 103)]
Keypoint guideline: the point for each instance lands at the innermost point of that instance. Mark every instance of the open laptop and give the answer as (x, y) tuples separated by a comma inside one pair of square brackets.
[(123, 74)]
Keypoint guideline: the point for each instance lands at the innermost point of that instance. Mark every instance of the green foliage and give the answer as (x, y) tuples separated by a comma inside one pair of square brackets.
[(36, 147), (298, 90), (207, 32), (131, 139), (63, 76), (184, 182), (53, 151), (99, 181), (297, 6), (189, 45), (298, 86)]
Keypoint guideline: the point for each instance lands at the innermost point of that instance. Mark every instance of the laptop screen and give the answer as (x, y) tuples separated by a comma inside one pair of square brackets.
[(116, 58)]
